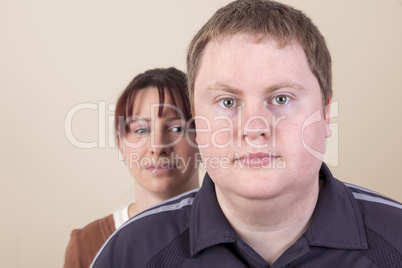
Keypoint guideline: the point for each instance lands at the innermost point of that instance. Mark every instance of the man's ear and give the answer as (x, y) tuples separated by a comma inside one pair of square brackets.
[(327, 119)]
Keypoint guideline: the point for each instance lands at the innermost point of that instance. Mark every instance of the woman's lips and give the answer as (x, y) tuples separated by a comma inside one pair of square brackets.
[(162, 169)]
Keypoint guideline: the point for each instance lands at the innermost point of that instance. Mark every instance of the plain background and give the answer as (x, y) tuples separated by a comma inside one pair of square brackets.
[(58, 54)]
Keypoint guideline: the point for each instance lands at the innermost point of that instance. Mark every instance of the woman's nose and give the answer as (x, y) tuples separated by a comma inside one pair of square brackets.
[(160, 144)]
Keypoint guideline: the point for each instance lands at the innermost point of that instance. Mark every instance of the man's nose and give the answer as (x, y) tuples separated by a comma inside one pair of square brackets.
[(256, 123)]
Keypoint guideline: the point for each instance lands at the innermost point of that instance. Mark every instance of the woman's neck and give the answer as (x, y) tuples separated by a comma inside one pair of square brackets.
[(142, 203), (146, 199)]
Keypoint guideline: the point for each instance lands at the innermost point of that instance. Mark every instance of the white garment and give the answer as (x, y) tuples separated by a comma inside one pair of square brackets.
[(120, 216)]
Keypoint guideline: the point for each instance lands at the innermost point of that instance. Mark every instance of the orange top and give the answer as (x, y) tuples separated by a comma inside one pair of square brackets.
[(85, 243)]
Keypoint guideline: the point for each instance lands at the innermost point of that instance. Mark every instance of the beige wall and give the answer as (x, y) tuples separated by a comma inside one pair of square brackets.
[(57, 54)]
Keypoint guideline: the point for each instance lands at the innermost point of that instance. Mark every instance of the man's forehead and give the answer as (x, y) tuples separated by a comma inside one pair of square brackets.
[(256, 38), (242, 52), (227, 47)]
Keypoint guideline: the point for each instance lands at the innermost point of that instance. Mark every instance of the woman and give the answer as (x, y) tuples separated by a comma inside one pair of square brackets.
[(152, 120)]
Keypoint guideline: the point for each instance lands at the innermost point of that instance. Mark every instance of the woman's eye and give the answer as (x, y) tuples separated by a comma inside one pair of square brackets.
[(227, 103), (141, 131), (280, 100), (178, 129)]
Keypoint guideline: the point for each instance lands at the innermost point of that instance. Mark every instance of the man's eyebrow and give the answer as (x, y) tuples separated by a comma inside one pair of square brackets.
[(224, 87), (278, 86), (270, 89)]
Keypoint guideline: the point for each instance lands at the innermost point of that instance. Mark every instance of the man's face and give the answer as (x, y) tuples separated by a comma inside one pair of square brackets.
[(258, 111)]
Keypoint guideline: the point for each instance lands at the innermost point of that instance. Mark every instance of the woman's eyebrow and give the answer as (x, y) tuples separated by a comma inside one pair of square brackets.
[(137, 118)]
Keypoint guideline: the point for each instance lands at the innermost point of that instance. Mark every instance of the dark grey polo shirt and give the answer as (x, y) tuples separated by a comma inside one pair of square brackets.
[(351, 227)]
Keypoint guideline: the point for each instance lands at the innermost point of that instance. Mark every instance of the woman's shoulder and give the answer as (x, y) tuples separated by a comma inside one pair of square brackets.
[(85, 242), (101, 228)]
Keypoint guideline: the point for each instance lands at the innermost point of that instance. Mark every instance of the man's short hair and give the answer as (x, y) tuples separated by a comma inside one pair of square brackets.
[(261, 18)]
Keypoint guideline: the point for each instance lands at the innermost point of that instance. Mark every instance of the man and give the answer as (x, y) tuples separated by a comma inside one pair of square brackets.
[(260, 85)]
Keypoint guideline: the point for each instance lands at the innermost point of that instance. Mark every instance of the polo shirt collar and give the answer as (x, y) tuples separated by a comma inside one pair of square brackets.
[(208, 225), (336, 222)]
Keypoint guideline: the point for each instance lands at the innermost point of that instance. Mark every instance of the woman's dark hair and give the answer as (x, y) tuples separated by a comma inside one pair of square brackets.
[(170, 79)]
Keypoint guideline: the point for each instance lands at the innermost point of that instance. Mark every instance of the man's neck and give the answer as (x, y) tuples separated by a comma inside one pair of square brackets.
[(270, 226)]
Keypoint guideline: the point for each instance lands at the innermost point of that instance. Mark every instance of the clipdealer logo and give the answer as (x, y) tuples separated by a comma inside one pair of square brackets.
[(106, 131)]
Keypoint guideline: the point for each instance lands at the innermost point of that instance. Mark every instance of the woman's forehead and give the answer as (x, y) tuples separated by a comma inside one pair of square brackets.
[(148, 101)]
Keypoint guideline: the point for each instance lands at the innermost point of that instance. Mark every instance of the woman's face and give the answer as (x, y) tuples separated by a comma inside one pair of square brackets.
[(159, 151)]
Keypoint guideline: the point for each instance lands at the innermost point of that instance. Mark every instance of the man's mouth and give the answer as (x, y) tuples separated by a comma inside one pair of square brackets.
[(257, 160)]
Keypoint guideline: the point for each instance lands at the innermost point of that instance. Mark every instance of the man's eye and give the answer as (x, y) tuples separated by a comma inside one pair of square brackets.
[(280, 100), (228, 103)]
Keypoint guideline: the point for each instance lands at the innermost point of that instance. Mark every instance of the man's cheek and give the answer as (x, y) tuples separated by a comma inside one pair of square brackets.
[(222, 138)]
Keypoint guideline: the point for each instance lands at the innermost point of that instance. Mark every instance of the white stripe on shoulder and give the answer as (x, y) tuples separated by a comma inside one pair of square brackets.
[(176, 206), (157, 209), (360, 188), (178, 196), (374, 199)]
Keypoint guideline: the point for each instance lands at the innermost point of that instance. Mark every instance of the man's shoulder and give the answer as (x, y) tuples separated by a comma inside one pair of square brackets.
[(382, 216), (146, 234), (170, 215), (375, 203)]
